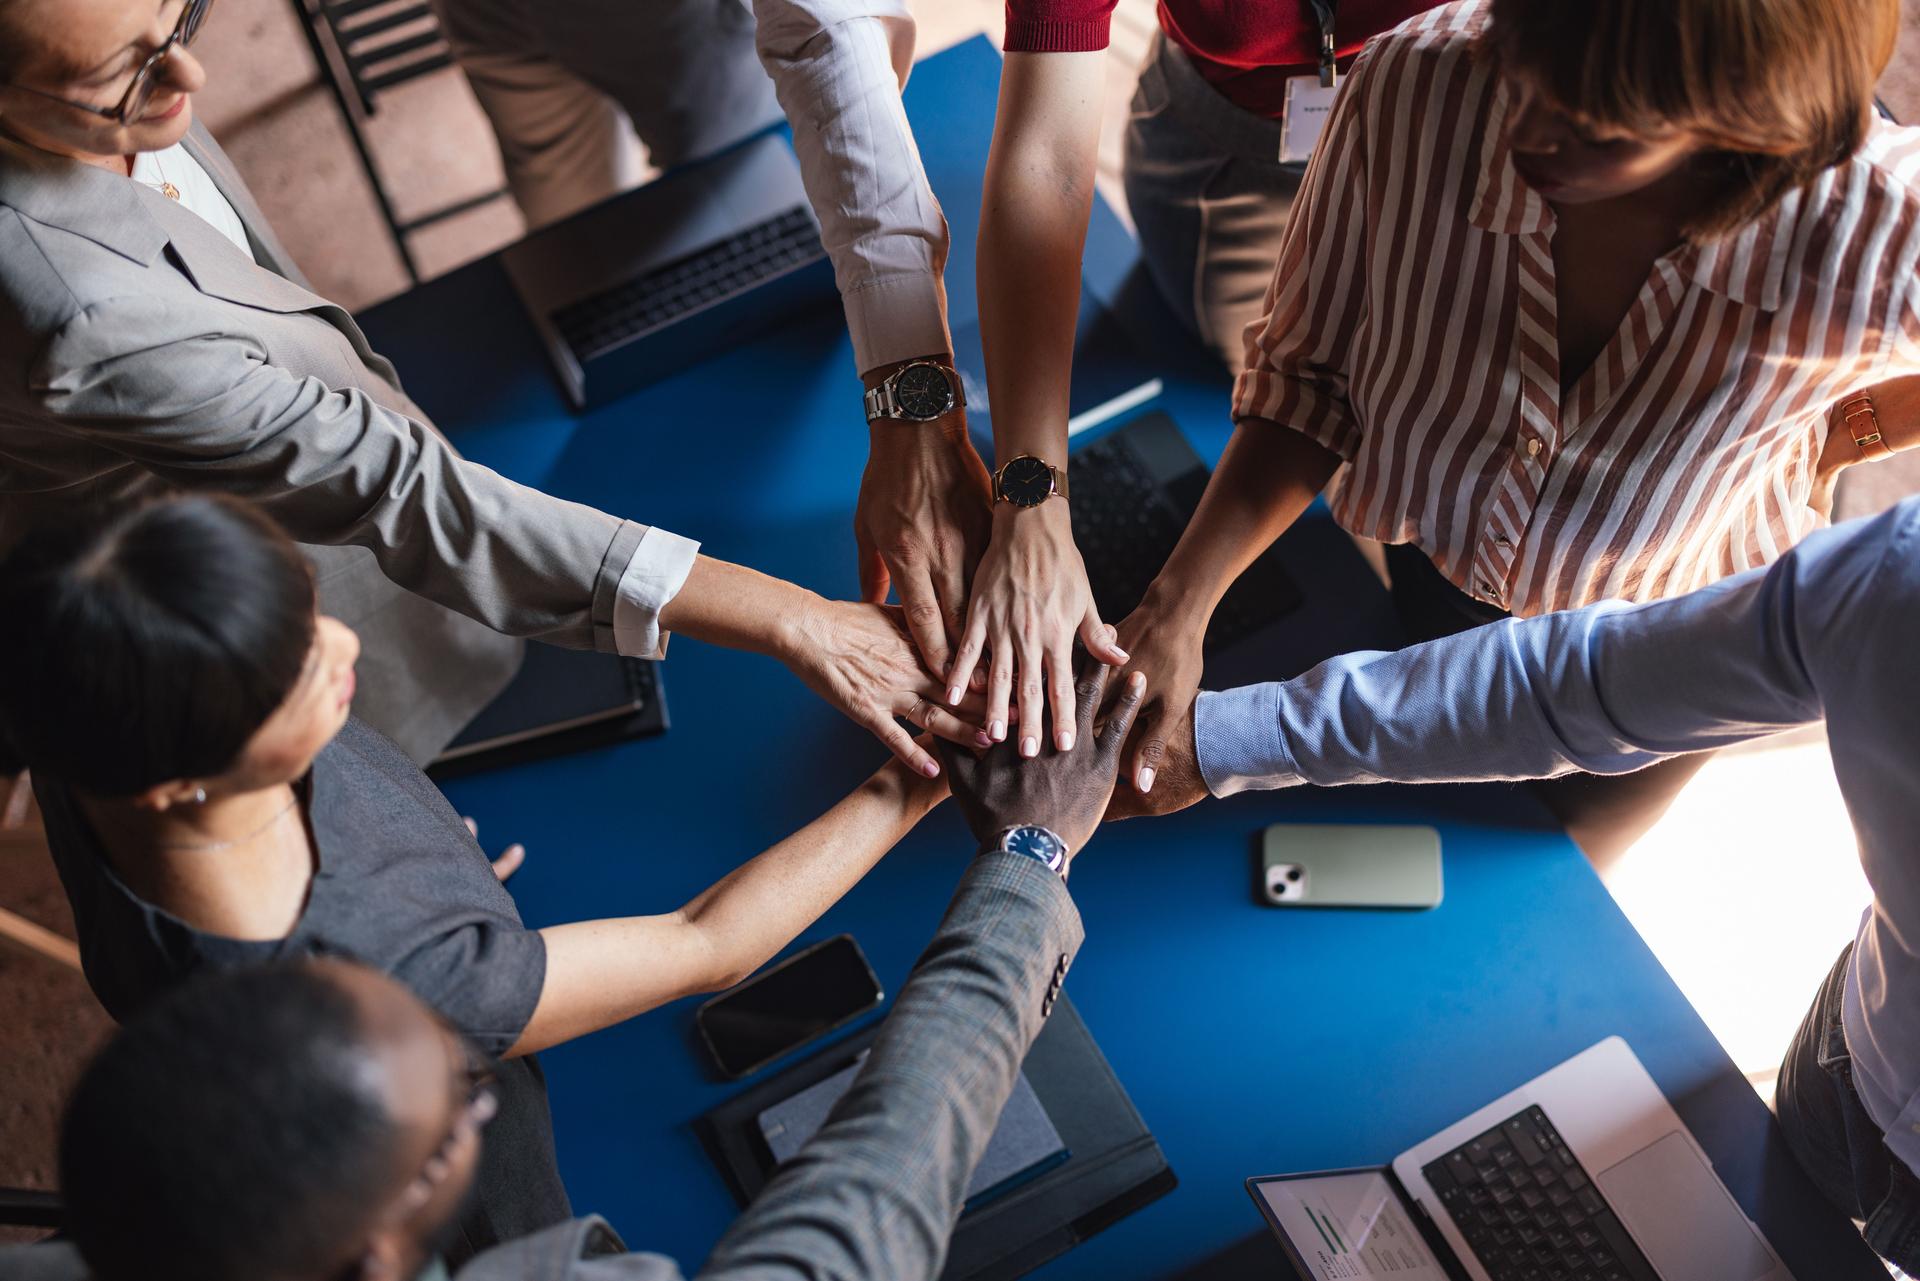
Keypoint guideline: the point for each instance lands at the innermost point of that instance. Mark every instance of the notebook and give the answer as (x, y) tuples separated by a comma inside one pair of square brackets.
[(1025, 1146), (561, 700), (1112, 1165)]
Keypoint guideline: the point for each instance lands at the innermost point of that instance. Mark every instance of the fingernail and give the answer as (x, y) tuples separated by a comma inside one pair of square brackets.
[(1124, 656), (931, 769), (953, 696), (999, 731), (1029, 746), (983, 739), (1146, 778), (1066, 741), (1138, 682)]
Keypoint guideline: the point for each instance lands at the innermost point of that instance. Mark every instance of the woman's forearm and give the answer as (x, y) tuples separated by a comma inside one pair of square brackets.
[(1268, 475), (730, 605), (604, 972), (1034, 208)]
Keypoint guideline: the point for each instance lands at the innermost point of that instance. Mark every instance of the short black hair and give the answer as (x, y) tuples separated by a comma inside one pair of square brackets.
[(150, 644), (227, 1133)]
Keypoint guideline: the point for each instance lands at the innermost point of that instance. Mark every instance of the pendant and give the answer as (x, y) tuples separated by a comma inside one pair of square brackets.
[(170, 191)]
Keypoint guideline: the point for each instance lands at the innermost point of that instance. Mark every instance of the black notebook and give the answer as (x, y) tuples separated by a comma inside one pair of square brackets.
[(1114, 1165), (561, 700), (1024, 1145)]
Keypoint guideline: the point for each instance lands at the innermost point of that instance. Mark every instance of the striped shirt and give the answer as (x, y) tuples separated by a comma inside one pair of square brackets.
[(1410, 329)]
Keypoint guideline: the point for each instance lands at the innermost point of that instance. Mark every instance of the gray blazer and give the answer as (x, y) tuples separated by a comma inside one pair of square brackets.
[(875, 1195), (141, 351)]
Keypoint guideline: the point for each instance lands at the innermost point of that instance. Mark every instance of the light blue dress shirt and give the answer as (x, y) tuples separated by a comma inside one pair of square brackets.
[(1831, 629)]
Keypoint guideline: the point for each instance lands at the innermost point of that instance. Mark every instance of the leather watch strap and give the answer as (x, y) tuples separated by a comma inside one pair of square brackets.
[(1858, 420)]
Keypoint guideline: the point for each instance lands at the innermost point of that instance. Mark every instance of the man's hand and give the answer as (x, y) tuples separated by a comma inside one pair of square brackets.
[(1030, 600), (1166, 645), (859, 658), (921, 526), (1176, 782), (1065, 792)]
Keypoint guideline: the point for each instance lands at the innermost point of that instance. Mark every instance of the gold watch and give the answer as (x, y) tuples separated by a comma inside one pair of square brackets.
[(1027, 481)]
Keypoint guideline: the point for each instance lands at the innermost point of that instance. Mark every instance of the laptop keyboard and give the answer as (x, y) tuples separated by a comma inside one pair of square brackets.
[(593, 326), (1529, 1211), (1125, 524)]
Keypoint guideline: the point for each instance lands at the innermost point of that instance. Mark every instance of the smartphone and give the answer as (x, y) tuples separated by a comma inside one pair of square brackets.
[(780, 1009), (1341, 865)]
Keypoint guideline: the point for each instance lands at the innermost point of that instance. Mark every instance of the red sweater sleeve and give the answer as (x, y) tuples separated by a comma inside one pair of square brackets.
[(1058, 26)]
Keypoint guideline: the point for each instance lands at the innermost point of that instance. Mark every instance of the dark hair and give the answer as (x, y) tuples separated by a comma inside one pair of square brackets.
[(1783, 89), (149, 645), (228, 1133)]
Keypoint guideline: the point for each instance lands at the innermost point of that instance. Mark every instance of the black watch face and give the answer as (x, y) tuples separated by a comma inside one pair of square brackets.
[(922, 391), (1026, 481)]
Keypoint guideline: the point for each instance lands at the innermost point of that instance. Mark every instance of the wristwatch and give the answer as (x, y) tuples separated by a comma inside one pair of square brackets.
[(1027, 481), (919, 392), (1034, 842), (1859, 421)]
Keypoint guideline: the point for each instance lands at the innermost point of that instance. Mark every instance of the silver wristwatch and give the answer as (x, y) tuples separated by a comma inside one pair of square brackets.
[(919, 393), (1029, 840)]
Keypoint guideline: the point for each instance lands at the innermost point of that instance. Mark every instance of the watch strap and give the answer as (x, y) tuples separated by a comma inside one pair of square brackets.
[(1858, 420)]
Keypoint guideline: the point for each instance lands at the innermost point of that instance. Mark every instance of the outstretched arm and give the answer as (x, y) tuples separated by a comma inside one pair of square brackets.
[(604, 972), (1030, 596), (1606, 689), (876, 1192)]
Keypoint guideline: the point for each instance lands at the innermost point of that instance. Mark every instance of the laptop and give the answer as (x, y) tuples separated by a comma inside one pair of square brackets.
[(696, 262), (1585, 1173)]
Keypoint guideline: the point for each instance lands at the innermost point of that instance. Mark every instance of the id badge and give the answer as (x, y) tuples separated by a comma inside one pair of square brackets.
[(1304, 115)]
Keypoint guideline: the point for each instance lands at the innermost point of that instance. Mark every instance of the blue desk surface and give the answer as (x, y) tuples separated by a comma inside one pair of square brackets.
[(1253, 1041)]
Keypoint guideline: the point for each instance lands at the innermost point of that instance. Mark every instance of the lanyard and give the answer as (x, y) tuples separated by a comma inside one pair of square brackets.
[(1323, 10)]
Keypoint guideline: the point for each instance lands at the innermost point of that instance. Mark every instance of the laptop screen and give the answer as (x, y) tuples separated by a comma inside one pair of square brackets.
[(1349, 1225)]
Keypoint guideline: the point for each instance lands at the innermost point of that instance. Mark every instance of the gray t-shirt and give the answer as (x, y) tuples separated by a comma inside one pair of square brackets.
[(400, 885)]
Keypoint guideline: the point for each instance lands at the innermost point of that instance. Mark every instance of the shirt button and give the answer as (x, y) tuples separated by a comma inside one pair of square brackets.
[(1533, 446), (1503, 540), (1487, 588)]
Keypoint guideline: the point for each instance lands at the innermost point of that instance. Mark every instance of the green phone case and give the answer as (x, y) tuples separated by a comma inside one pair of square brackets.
[(1350, 865)]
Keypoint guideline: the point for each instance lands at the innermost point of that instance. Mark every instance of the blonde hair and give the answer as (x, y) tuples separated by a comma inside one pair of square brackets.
[(1781, 89)]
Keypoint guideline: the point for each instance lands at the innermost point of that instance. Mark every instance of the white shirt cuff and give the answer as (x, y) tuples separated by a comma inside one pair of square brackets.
[(659, 568), (897, 319)]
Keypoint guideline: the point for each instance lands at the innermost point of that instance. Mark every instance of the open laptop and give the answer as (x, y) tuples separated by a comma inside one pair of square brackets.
[(1585, 1173), (695, 262)]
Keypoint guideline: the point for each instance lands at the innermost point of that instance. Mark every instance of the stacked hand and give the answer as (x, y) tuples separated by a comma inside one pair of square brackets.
[(1161, 765), (921, 526), (861, 659), (1030, 600), (1065, 792)]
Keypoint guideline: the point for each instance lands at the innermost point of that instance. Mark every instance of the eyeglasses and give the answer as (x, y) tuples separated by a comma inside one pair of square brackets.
[(140, 89), (476, 1079)]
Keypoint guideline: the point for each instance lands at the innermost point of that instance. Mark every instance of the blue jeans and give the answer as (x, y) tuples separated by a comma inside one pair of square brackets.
[(1834, 1139)]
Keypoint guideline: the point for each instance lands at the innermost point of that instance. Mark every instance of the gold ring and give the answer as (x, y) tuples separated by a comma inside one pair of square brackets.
[(919, 701)]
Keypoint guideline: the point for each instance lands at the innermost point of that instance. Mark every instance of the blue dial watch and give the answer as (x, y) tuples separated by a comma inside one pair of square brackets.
[(1036, 843)]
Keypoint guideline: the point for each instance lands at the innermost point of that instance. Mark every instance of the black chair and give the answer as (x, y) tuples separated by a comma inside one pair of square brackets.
[(364, 48), (26, 1208)]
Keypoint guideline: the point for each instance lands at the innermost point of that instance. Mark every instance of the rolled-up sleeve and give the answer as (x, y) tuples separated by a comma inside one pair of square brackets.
[(838, 67), (1296, 367)]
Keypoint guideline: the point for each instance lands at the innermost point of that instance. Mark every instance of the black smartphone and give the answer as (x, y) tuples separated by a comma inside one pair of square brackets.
[(778, 1010)]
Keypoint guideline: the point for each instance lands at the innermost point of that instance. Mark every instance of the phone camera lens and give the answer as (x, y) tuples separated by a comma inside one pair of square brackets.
[(1293, 874)]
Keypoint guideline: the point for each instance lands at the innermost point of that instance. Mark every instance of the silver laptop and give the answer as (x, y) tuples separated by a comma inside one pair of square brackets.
[(1585, 1173)]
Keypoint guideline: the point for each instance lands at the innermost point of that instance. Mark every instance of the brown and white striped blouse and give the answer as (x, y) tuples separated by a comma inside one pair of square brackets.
[(1410, 329)]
